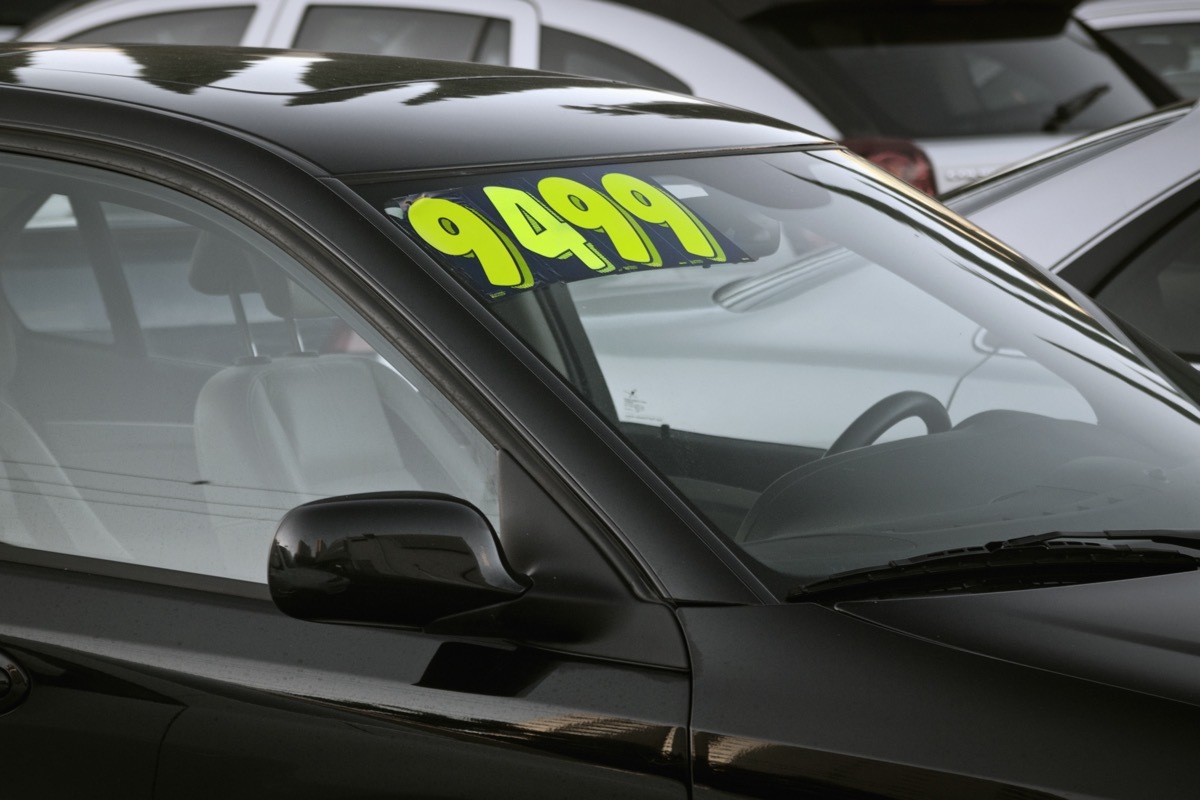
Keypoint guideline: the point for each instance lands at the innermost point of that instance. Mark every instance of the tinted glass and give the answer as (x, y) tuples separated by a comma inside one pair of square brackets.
[(741, 319), (1158, 290), (1170, 51), (405, 32), (207, 26), (173, 383), (961, 70), (579, 55), (49, 277)]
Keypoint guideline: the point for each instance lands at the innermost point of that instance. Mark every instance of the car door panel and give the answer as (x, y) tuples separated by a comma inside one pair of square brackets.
[(261, 704), (865, 712)]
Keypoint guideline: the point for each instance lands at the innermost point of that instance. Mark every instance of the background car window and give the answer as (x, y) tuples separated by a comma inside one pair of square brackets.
[(405, 32), (1159, 289), (206, 26), (950, 71), (1170, 51), (579, 55), (173, 383)]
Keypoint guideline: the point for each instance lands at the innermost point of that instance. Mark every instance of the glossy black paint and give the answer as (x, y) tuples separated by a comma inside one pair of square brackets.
[(14, 683), (307, 719), (398, 559), (642, 661), (303, 103), (874, 712)]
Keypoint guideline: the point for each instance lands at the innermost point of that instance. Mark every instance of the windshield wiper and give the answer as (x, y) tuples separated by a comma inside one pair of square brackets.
[(1068, 110), (1056, 558)]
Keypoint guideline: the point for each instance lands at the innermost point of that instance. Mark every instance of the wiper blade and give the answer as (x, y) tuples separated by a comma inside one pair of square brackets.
[(1068, 110), (1056, 558)]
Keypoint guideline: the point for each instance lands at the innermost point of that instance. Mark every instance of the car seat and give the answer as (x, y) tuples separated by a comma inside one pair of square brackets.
[(39, 505), (276, 430)]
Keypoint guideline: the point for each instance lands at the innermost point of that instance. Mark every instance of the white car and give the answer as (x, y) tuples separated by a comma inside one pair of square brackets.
[(1117, 214), (1163, 35), (939, 94)]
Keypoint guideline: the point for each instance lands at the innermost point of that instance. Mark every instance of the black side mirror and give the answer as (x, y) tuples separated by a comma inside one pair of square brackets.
[(403, 559)]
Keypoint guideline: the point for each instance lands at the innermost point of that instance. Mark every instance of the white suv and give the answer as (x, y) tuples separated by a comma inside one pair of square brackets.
[(938, 93)]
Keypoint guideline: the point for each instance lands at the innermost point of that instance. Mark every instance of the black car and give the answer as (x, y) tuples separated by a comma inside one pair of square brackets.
[(384, 428), (939, 92)]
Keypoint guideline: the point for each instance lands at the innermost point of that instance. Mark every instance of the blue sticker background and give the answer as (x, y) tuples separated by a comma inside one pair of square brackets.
[(555, 270)]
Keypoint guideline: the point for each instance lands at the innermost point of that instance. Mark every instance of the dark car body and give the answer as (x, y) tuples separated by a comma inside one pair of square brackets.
[(941, 93), (624, 643)]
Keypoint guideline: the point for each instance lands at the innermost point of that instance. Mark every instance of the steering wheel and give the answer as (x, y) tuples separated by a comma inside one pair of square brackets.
[(876, 420)]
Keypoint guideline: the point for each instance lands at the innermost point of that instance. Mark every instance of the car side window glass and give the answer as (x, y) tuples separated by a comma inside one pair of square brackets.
[(171, 383), (48, 277), (579, 55), (405, 32), (215, 26), (1158, 290), (1170, 51)]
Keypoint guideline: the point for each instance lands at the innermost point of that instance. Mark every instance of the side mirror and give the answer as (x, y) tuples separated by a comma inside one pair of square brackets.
[(403, 559)]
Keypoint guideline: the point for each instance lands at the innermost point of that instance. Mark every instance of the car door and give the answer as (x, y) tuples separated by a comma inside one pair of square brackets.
[(174, 382), (483, 31)]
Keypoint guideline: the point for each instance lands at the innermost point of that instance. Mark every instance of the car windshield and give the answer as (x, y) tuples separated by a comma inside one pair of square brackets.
[(963, 69), (832, 369)]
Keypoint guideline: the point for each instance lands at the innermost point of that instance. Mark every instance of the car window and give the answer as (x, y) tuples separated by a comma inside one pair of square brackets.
[(580, 55), (173, 383), (1170, 51), (217, 26), (952, 70), (831, 386), (48, 279), (1158, 290), (405, 32)]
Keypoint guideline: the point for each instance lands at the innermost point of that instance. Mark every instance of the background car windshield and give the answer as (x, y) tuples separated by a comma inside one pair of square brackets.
[(733, 317), (959, 70)]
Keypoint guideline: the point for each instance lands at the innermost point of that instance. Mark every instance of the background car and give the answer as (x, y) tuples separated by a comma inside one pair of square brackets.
[(938, 93), (1163, 35), (695, 454), (18, 13), (1126, 221)]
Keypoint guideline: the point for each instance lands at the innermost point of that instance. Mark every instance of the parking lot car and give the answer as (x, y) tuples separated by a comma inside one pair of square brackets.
[(1125, 231), (938, 93), (692, 456), (1163, 35)]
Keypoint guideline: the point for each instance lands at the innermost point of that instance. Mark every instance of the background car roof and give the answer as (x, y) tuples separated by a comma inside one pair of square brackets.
[(403, 114), (1092, 189)]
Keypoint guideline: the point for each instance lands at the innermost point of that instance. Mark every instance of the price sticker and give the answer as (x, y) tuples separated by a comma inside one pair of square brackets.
[(515, 234)]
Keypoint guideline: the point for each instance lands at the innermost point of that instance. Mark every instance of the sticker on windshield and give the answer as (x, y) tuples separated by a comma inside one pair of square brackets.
[(567, 226)]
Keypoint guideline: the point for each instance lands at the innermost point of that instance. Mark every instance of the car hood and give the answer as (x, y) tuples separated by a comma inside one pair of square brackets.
[(1140, 634)]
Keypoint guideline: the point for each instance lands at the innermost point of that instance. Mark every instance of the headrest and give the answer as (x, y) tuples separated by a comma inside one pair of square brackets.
[(221, 267), (284, 297)]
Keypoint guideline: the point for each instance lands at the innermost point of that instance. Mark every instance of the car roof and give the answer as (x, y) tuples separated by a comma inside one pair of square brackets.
[(1104, 14), (353, 114), (1055, 206)]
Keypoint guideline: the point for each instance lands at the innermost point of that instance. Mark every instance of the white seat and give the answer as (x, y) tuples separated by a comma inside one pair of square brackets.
[(275, 431), (39, 505)]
